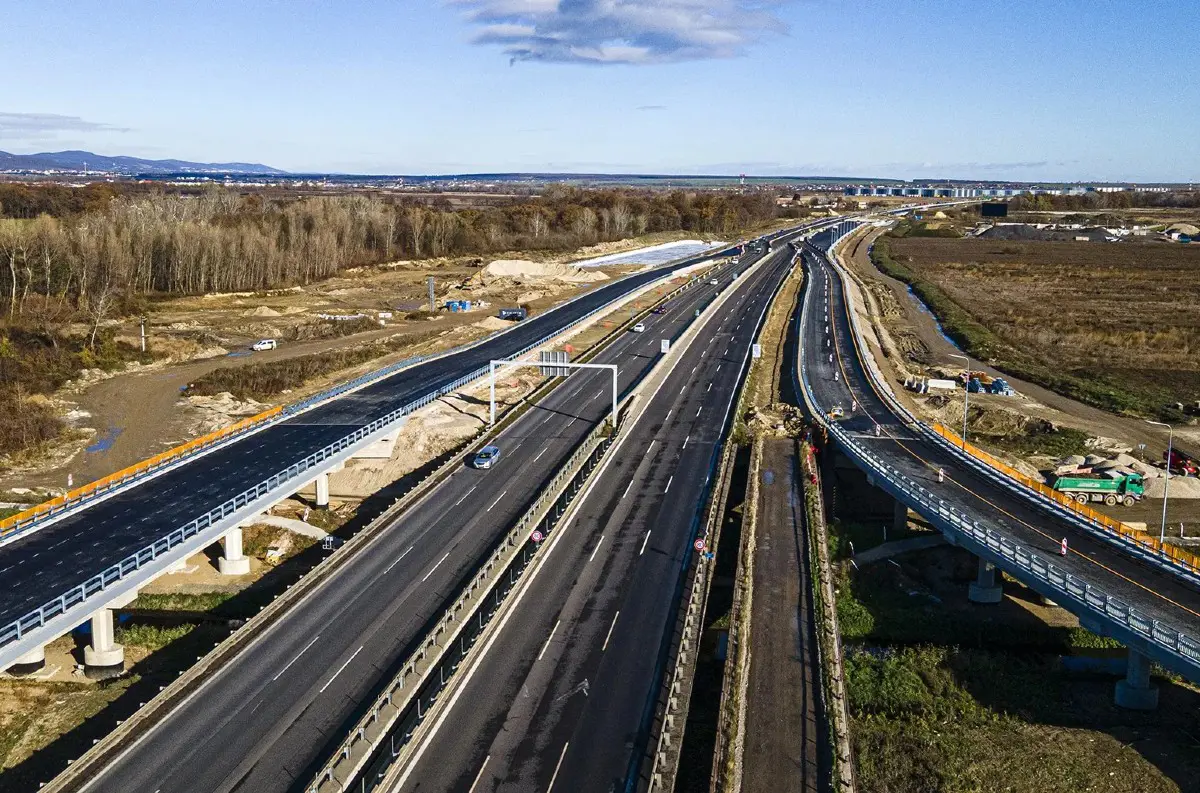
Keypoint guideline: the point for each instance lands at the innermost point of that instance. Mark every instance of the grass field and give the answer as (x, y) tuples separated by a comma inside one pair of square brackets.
[(950, 696), (1114, 325)]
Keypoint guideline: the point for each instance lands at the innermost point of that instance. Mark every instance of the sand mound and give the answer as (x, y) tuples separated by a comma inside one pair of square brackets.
[(261, 311), (525, 271), (1180, 487), (1184, 228), (940, 215), (493, 323)]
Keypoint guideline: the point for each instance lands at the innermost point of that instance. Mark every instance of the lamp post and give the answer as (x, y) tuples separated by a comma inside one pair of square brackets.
[(1162, 532), (966, 395)]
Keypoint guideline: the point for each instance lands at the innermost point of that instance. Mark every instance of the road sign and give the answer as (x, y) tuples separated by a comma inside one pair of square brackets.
[(537, 536), (699, 544), (756, 351), (665, 346)]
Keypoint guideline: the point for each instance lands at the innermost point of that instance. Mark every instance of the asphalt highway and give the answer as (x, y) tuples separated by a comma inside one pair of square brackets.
[(1154, 592), (39, 567), (280, 707), (563, 698)]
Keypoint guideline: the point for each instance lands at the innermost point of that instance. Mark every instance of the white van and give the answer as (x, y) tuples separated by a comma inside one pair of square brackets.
[(264, 344)]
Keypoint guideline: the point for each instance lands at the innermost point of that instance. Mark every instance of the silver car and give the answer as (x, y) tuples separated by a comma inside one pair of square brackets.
[(486, 457)]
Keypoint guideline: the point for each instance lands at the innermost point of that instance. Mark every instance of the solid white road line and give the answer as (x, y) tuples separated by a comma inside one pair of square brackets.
[(297, 658), (669, 481), (479, 776), (645, 540), (464, 496), (340, 668), (497, 501), (548, 638), (398, 558), (610, 630), (600, 542), (557, 766), (436, 566)]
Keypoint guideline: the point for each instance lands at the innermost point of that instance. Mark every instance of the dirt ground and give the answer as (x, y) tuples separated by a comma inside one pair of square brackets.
[(909, 342), (123, 419)]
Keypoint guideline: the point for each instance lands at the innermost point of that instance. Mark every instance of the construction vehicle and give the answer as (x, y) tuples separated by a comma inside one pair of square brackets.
[(1125, 489), (1181, 464)]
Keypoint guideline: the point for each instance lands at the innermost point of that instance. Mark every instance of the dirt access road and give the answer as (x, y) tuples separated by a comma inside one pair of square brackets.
[(787, 734)]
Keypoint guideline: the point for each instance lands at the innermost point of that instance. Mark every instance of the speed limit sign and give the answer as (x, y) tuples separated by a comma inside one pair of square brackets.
[(699, 545), (537, 536)]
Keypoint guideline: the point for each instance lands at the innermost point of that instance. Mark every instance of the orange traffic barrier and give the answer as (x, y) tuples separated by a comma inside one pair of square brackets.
[(145, 465), (1111, 524)]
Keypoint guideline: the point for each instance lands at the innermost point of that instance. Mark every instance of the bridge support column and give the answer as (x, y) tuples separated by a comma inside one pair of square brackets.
[(323, 490), (234, 562), (103, 657), (985, 589), (30, 662), (1135, 691)]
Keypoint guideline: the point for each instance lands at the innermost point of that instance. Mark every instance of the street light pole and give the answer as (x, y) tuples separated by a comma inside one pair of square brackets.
[(1162, 531), (966, 395)]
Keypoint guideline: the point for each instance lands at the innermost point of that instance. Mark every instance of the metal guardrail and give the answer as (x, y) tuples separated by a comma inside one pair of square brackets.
[(374, 727), (1067, 587), (1177, 562), (14, 630)]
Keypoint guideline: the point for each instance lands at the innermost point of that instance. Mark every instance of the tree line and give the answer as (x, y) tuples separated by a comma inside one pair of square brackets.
[(221, 240), (1124, 199)]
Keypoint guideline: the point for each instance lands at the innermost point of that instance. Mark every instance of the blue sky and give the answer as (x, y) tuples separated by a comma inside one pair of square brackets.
[(1079, 90)]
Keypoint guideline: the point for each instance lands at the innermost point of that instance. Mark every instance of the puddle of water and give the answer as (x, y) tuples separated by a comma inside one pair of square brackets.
[(925, 310), (105, 441), (239, 354)]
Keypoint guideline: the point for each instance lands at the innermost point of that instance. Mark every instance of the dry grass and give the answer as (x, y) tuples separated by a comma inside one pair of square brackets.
[(1117, 318)]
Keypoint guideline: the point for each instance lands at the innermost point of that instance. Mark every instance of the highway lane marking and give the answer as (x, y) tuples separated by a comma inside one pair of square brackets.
[(497, 501), (708, 389), (548, 640), (557, 766), (610, 630), (685, 441), (479, 776), (297, 658), (645, 540), (685, 386), (398, 558), (601, 541), (627, 488), (669, 412), (436, 566), (543, 451), (464, 496), (669, 481), (718, 368), (699, 409), (340, 669)]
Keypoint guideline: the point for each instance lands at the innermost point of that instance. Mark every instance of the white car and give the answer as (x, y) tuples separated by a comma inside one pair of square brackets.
[(640, 327), (264, 344), (714, 282)]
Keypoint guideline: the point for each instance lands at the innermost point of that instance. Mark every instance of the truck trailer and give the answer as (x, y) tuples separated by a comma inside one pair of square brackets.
[(1126, 489)]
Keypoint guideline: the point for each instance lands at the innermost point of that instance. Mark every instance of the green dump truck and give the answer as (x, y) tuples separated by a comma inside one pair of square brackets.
[(1126, 489)]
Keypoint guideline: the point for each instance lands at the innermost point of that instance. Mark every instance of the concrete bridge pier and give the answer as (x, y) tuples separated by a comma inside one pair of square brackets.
[(1135, 691), (103, 658), (30, 662), (233, 561), (986, 588)]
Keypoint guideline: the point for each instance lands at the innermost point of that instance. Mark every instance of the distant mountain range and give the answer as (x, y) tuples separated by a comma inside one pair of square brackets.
[(79, 161)]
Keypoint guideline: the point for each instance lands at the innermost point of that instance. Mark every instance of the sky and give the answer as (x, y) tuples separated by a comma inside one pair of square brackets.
[(1063, 90)]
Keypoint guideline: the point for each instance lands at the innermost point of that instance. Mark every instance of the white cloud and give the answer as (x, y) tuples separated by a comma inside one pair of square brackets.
[(621, 31), (29, 127)]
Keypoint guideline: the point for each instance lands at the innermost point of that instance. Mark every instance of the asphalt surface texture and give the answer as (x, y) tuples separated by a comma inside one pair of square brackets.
[(563, 698), (49, 561), (1157, 593), (787, 747), (278, 710)]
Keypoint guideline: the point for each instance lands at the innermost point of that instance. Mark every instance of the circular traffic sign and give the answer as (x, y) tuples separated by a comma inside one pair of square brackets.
[(699, 545), (537, 536)]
